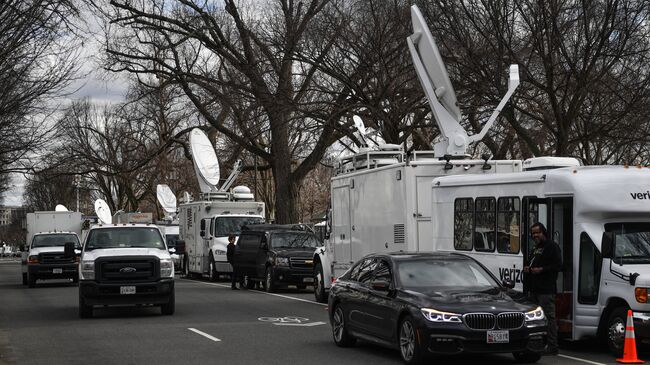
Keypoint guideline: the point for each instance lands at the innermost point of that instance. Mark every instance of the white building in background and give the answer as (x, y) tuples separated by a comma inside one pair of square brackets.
[(9, 213)]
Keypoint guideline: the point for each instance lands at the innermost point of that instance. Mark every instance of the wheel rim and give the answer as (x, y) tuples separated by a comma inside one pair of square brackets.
[(617, 333), (338, 327), (407, 340)]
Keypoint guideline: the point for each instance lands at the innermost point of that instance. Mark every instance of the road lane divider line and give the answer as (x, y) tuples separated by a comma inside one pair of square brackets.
[(259, 292), (204, 334), (310, 324), (582, 360)]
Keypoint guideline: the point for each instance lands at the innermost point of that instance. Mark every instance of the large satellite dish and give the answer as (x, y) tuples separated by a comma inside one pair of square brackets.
[(60, 208), (433, 64), (205, 160), (166, 198), (103, 211)]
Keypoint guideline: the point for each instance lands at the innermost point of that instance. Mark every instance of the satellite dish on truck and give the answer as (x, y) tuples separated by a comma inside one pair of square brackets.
[(60, 208), (103, 211), (167, 200), (206, 165), (440, 93)]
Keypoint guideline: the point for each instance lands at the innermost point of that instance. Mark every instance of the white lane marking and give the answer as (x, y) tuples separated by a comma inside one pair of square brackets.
[(204, 334), (259, 292), (579, 359), (300, 324)]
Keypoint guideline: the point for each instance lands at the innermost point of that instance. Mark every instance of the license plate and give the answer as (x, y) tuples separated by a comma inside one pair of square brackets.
[(57, 271), (308, 280), (498, 336), (127, 290)]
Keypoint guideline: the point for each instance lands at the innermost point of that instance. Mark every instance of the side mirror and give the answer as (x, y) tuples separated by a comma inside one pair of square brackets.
[(68, 249), (380, 285), (180, 246), (607, 245), (510, 284)]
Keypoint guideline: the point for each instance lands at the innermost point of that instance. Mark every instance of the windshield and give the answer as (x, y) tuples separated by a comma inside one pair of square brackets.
[(171, 240), (54, 240), (232, 225), (444, 274), (294, 240), (124, 238), (632, 242)]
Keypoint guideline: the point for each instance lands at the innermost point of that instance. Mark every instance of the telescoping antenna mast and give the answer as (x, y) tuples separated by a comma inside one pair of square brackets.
[(434, 79)]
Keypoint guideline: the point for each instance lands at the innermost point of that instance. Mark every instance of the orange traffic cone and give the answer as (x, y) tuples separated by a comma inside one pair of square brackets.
[(629, 349)]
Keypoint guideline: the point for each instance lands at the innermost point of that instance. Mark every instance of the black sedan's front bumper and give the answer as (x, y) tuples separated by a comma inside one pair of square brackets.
[(457, 338), (158, 292)]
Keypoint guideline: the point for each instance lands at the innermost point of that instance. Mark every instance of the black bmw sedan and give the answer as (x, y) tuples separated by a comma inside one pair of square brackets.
[(433, 303)]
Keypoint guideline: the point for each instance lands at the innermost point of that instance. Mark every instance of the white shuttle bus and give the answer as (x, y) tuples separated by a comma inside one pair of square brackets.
[(598, 215)]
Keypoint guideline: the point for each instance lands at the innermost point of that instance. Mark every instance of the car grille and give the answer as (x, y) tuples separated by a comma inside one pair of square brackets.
[(127, 269), (488, 321), (301, 262), (54, 258)]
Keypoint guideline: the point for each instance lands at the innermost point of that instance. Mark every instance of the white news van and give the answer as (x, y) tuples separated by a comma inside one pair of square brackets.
[(43, 256)]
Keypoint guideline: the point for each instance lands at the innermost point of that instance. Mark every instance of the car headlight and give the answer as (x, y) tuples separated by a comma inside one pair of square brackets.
[(87, 270), (166, 268), (219, 252), (282, 261), (438, 316), (536, 314), (32, 259)]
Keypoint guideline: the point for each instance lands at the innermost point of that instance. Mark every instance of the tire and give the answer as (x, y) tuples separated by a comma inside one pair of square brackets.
[(169, 308), (31, 281), (24, 278), (340, 329), (615, 331), (319, 284), (526, 357), (248, 283), (409, 348), (85, 311), (269, 283), (214, 275)]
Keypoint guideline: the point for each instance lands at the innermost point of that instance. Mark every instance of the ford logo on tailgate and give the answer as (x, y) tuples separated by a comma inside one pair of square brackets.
[(128, 270)]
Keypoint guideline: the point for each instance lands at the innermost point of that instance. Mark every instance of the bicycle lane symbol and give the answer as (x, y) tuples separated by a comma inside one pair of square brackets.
[(289, 321)]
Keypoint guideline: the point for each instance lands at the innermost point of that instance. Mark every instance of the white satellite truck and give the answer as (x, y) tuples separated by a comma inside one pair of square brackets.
[(205, 224), (52, 246), (599, 215), (124, 264), (381, 196)]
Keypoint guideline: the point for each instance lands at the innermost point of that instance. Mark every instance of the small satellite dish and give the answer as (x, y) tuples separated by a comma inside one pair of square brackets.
[(166, 198), (60, 208), (103, 211), (433, 64), (206, 164)]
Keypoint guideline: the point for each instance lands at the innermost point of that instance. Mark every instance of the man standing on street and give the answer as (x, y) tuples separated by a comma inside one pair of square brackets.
[(541, 271), (230, 256)]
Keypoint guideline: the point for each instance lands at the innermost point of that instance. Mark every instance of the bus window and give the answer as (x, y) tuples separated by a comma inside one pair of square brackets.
[(463, 222), (485, 224), (589, 271), (508, 212)]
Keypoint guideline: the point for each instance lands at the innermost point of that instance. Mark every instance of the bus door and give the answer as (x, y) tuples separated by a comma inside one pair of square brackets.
[(561, 232)]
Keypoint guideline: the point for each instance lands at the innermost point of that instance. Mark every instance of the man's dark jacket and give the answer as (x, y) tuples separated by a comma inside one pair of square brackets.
[(230, 253), (546, 255)]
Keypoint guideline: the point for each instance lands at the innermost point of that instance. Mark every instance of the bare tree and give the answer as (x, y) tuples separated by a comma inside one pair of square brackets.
[(37, 54)]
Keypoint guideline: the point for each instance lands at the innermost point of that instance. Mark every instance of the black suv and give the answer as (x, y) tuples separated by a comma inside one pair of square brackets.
[(276, 255)]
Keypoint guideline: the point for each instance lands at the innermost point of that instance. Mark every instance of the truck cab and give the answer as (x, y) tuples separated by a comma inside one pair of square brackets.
[(125, 264), (51, 255)]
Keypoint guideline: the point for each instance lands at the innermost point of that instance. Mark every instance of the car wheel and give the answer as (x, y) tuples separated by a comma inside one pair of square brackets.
[(408, 346), (616, 330), (340, 329), (24, 278), (269, 283), (31, 280), (319, 284), (214, 275), (526, 357), (85, 311), (169, 307)]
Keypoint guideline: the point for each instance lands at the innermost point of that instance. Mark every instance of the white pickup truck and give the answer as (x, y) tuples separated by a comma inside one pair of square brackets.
[(125, 264)]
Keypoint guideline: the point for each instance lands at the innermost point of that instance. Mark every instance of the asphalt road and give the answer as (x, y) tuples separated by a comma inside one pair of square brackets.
[(212, 325)]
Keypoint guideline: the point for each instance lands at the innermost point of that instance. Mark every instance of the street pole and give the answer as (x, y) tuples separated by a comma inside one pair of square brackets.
[(76, 183)]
